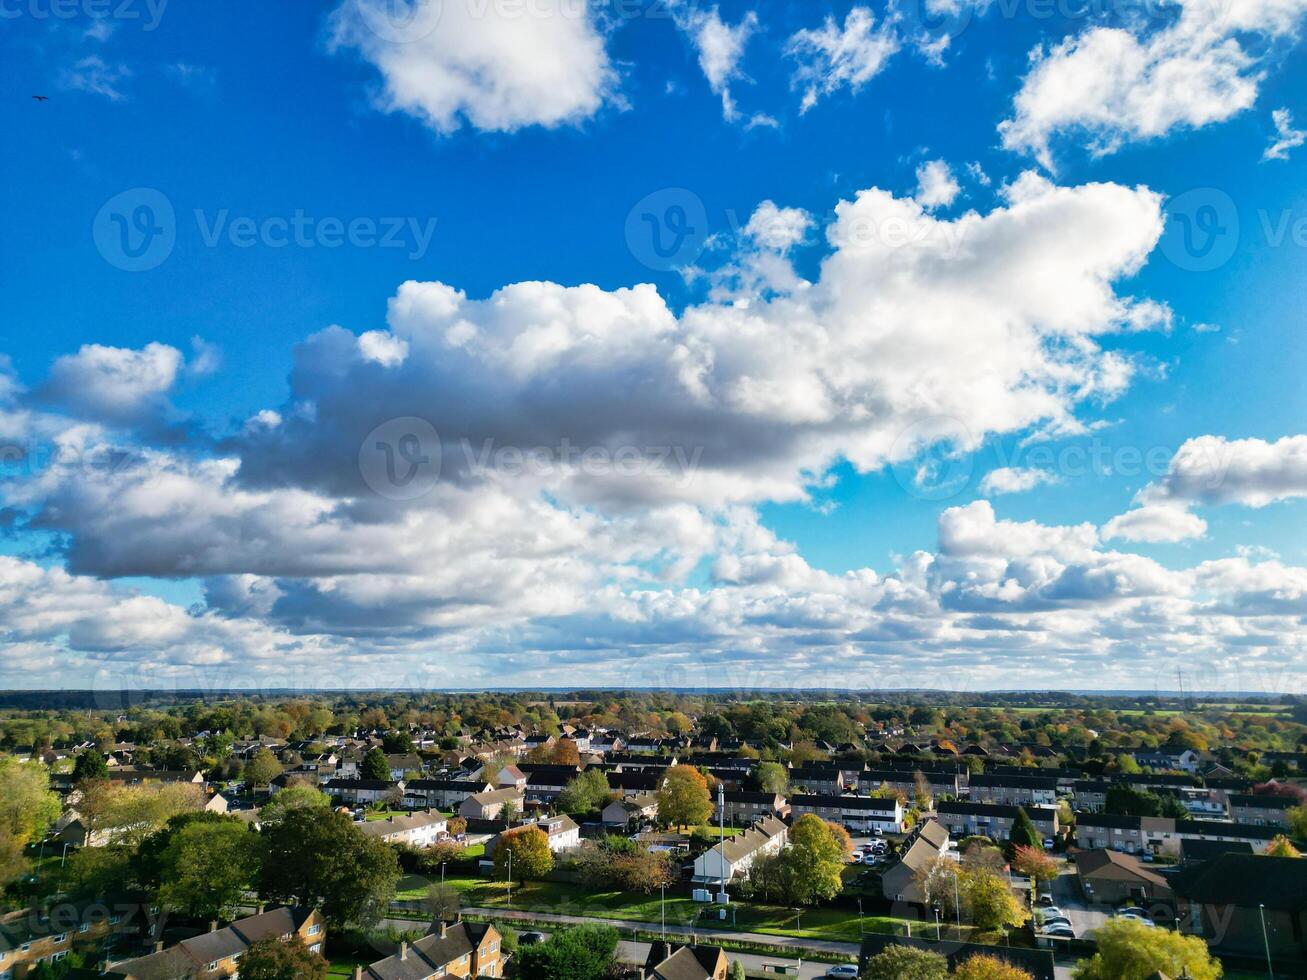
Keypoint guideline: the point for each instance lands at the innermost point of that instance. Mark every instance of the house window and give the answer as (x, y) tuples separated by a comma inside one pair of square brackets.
[(59, 938), (84, 927), (316, 948), (314, 930), (213, 966)]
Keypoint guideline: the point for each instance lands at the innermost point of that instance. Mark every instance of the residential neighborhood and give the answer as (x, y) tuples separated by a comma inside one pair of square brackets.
[(433, 847)]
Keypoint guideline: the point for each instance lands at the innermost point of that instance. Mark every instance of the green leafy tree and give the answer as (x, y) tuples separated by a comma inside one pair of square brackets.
[(90, 765), (1130, 950), (578, 953), (262, 769), (992, 902), (295, 796), (1298, 822), (374, 765), (1280, 846), (27, 806), (773, 777), (1024, 831), (529, 846), (683, 797), (587, 793), (207, 868), (13, 864), (905, 963), (1128, 801), (278, 959), (321, 859), (736, 972)]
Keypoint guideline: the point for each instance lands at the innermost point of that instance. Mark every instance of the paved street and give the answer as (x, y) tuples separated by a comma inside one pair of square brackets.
[(1067, 895)]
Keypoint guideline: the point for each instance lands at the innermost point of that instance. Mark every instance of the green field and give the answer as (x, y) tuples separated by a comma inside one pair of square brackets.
[(567, 899)]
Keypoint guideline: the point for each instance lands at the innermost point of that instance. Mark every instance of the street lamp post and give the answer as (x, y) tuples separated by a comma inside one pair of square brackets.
[(798, 920), (721, 855), (860, 929), (510, 874), (1266, 942), (663, 888), (936, 923), (64, 856)]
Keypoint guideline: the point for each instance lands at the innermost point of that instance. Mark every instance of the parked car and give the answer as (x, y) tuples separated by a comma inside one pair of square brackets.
[(1060, 932), (845, 971), (1131, 917), (855, 857), (1134, 910), (1045, 900), (1049, 911), (530, 938), (1053, 921), (1048, 843)]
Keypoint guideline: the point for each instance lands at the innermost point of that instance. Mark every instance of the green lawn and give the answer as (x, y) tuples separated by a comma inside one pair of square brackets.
[(344, 966), (383, 814), (567, 899)]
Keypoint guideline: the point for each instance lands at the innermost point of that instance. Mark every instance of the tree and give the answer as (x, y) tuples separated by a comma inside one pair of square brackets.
[(276, 959), (262, 769), (1033, 863), (736, 972), (1298, 822), (1128, 801), (586, 793), (683, 797), (90, 765), (27, 807), (993, 905), (321, 859), (529, 846), (1281, 847), (207, 867), (294, 796), (772, 777), (1024, 832), (1130, 950), (375, 766), (982, 966), (13, 865), (813, 862), (129, 814), (578, 953), (905, 963)]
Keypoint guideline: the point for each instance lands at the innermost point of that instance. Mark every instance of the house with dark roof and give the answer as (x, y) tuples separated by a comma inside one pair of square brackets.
[(858, 813), (744, 807), (1262, 809), (1196, 851), (901, 882), (1226, 901), (1013, 790), (993, 819)]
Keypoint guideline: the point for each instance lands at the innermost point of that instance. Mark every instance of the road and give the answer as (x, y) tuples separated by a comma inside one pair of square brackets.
[(1068, 897)]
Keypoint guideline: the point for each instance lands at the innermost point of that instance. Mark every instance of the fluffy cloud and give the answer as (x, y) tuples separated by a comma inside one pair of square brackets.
[(496, 68), (833, 56), (1156, 523), (720, 47), (1014, 479), (1286, 137), (116, 385), (1210, 470), (936, 186), (1111, 85)]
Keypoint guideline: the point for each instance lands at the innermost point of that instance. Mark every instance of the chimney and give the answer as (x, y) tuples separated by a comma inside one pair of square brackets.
[(444, 929), (213, 925), (403, 950), (158, 947), (358, 973), (261, 908)]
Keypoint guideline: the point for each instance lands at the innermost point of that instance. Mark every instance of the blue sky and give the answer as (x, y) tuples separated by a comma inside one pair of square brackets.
[(495, 154)]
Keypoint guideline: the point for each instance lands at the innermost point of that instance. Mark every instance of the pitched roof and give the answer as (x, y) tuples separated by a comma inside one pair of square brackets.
[(669, 962), (1103, 863), (1246, 880)]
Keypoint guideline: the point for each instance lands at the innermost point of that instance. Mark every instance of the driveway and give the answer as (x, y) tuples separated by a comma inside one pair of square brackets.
[(1069, 898)]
